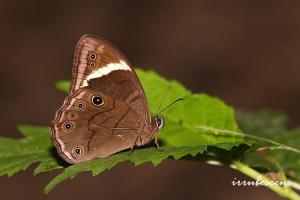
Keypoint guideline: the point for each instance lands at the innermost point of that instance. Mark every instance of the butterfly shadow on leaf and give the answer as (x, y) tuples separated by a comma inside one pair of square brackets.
[(57, 158)]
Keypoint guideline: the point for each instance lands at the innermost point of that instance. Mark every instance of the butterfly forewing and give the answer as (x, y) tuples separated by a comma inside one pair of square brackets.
[(106, 110)]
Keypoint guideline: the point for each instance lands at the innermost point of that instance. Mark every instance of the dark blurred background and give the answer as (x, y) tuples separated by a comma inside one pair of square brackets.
[(245, 52)]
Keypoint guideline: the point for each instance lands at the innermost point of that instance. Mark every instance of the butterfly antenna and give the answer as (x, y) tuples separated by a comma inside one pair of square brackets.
[(171, 104), (163, 99)]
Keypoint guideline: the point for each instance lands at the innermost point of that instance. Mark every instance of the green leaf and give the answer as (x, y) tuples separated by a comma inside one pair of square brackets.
[(138, 157), (180, 136), (262, 123), (183, 118), (19, 154), (272, 125), (63, 85)]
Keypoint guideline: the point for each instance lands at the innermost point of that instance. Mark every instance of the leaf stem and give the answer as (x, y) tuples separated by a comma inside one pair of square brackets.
[(236, 133), (282, 191), (295, 185)]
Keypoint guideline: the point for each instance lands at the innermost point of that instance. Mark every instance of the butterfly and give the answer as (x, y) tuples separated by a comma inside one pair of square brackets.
[(106, 110)]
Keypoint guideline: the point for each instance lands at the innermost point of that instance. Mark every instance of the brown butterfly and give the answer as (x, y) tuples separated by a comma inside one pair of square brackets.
[(106, 110)]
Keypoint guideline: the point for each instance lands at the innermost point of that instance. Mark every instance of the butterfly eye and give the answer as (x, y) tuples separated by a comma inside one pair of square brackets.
[(77, 151), (97, 100), (93, 56), (72, 115), (92, 64), (67, 126), (80, 105), (159, 122)]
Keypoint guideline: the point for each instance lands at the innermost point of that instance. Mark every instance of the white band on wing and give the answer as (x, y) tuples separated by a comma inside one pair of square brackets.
[(122, 65)]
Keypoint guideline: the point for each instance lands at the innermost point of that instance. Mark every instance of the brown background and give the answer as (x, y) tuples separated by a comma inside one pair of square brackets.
[(245, 52)]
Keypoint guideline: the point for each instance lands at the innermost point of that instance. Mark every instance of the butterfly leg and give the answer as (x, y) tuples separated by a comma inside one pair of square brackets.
[(131, 150), (134, 144), (156, 143)]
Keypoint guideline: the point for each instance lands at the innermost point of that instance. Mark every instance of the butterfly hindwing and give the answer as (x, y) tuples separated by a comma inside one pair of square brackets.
[(93, 128)]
